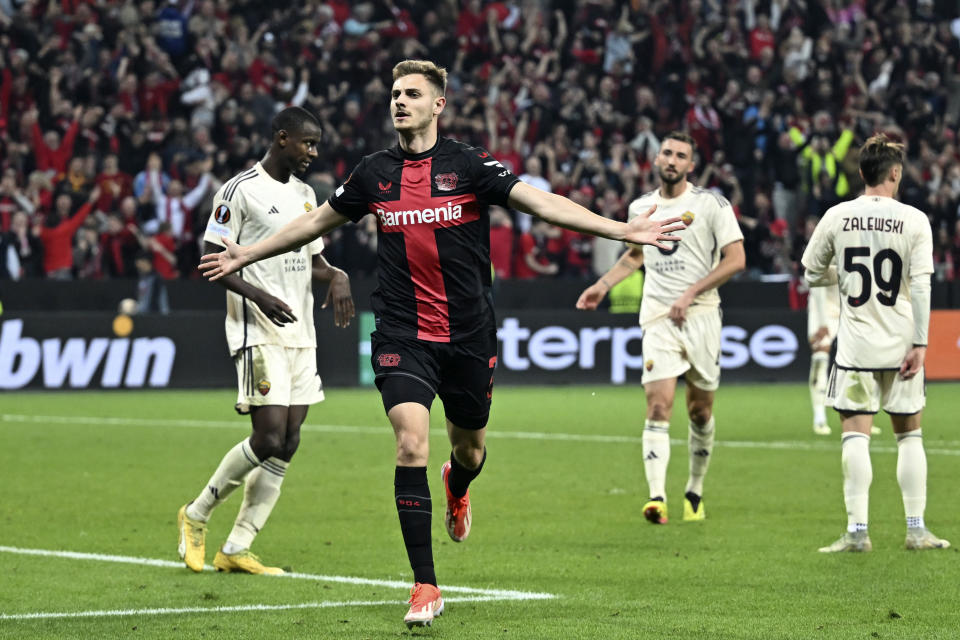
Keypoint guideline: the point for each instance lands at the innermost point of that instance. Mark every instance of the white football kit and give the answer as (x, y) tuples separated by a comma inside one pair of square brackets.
[(275, 365), (669, 351), (823, 310), (880, 252)]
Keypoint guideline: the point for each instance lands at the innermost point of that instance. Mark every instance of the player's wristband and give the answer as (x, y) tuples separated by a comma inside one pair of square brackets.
[(606, 284), (919, 345)]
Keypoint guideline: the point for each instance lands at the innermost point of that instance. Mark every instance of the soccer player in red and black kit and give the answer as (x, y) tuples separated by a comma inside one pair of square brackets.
[(435, 329)]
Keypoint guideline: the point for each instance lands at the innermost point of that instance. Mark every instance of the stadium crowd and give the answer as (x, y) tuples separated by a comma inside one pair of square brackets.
[(120, 119)]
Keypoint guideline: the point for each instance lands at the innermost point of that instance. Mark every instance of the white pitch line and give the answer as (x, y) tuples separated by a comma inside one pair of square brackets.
[(498, 594), (796, 445), (104, 613)]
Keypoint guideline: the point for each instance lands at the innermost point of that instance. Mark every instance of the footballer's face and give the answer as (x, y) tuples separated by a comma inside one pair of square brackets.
[(415, 103), (301, 147), (674, 161)]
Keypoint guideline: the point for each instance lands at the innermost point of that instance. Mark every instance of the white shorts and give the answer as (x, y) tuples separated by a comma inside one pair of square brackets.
[(868, 391), (669, 351), (270, 374)]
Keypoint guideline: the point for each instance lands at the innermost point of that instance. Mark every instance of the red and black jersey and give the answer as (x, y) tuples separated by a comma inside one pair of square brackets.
[(433, 239)]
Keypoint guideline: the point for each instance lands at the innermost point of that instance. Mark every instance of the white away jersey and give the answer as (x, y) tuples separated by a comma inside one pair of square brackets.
[(877, 245), (711, 225), (250, 207)]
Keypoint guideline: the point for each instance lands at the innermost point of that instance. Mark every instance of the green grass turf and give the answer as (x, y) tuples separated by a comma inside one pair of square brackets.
[(550, 515)]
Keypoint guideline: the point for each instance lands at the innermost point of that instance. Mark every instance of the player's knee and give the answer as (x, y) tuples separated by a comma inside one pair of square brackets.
[(469, 454), (657, 409), (699, 413), (413, 448), (268, 444), (290, 446)]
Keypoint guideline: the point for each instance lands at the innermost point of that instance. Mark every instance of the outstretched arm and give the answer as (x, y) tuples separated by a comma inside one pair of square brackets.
[(295, 233), (592, 296), (562, 212)]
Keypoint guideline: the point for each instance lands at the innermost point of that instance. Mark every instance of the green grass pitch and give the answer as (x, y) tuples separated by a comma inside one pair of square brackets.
[(556, 511)]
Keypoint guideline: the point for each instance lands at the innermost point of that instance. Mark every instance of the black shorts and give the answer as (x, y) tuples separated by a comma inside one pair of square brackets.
[(461, 373)]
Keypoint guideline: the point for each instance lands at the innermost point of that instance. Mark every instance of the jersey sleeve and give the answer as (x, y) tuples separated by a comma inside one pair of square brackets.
[(818, 256), (921, 253), (638, 206), (226, 217), (491, 180), (350, 198), (725, 226)]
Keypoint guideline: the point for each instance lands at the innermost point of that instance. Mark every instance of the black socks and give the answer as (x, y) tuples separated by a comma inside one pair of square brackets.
[(460, 477), (415, 509)]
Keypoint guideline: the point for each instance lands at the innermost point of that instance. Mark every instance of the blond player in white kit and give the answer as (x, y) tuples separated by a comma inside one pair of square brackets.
[(880, 252), (271, 336), (680, 316)]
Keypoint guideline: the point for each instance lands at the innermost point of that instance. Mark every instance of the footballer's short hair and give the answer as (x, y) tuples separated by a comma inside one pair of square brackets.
[(292, 120), (877, 156), (682, 136), (437, 76)]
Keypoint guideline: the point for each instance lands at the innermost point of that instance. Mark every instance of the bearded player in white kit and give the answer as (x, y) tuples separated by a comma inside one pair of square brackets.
[(880, 252), (271, 338), (680, 316)]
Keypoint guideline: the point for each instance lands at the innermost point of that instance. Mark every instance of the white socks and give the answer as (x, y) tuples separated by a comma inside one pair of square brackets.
[(234, 467), (857, 476), (912, 475), (656, 456), (818, 385), (259, 496), (701, 450)]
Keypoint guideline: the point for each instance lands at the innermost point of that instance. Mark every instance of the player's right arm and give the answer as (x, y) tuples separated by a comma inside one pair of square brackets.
[(560, 211), (278, 311), (630, 261), (293, 235), (818, 256)]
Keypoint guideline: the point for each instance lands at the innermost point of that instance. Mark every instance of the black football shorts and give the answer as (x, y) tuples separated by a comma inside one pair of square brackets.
[(461, 373)]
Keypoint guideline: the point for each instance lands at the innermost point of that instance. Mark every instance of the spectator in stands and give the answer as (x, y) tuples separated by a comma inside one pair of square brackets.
[(115, 185), (532, 175), (118, 247), (87, 259), (21, 251), (163, 247), (557, 81), (53, 153), (178, 209), (12, 199), (501, 242), (152, 294), (57, 235)]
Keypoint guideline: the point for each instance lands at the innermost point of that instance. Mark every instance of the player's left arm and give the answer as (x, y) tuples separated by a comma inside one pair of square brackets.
[(338, 290), (562, 212), (733, 259), (921, 268)]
